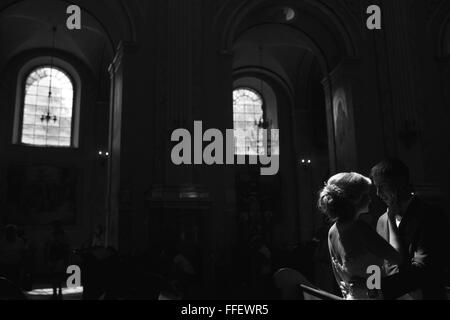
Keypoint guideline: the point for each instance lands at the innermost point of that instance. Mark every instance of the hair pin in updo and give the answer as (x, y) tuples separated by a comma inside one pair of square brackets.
[(335, 190)]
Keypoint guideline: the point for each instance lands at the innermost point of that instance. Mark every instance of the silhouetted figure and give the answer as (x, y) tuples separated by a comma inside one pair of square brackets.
[(100, 265), (26, 277), (58, 250), (12, 250), (185, 270), (261, 267)]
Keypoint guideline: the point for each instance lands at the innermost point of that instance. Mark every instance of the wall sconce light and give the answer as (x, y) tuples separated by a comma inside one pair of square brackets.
[(103, 157), (103, 154), (306, 162)]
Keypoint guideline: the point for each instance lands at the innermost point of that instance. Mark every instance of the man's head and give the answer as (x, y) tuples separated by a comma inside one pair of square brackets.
[(391, 179)]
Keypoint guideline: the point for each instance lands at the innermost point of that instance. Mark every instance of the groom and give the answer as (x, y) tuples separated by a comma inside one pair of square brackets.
[(423, 233)]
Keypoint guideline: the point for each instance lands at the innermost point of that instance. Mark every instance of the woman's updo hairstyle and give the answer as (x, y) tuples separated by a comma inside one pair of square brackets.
[(343, 195)]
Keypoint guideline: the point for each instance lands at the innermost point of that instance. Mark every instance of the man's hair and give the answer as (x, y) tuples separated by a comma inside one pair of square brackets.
[(392, 169)]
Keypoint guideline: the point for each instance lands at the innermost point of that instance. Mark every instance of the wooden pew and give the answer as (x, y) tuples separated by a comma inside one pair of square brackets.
[(310, 293), (294, 286), (9, 291)]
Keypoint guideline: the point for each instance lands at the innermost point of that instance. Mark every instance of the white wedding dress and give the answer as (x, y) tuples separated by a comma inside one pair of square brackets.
[(351, 259), (351, 275)]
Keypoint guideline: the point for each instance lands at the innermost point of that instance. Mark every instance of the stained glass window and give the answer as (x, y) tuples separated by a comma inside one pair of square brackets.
[(248, 112), (38, 103)]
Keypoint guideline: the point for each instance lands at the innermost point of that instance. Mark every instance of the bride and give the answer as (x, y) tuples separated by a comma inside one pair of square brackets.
[(354, 246)]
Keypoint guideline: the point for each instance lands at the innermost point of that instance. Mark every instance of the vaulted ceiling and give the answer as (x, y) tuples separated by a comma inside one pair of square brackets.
[(278, 38), (104, 24)]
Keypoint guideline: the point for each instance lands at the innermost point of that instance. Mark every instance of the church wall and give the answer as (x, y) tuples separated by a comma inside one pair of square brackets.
[(181, 69), (83, 162)]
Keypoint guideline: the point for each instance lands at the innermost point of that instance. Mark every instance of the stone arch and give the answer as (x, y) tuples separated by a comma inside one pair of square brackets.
[(100, 15), (233, 13), (323, 33), (95, 45), (267, 75)]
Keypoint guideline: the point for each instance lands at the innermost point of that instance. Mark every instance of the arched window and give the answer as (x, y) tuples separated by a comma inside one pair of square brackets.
[(47, 116), (248, 113)]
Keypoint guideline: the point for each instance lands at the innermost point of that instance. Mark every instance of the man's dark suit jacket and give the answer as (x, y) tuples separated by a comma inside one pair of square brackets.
[(424, 234)]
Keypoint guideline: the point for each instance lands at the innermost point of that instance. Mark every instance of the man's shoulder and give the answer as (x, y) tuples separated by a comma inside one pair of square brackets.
[(382, 224)]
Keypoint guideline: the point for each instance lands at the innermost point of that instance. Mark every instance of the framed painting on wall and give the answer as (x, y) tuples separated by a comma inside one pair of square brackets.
[(40, 194)]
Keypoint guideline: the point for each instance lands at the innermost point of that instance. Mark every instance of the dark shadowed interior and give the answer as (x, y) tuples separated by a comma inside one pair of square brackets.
[(87, 175)]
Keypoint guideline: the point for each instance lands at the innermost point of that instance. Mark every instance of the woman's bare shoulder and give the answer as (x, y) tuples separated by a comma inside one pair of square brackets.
[(332, 232)]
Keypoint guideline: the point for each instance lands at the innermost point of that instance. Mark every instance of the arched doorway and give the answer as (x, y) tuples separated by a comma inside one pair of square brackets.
[(305, 57), (304, 52)]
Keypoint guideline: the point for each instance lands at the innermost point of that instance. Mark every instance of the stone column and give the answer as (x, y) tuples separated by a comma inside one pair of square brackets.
[(120, 79), (217, 112), (401, 66)]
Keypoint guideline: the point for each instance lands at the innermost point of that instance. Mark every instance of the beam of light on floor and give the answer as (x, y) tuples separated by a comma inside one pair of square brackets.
[(49, 292)]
